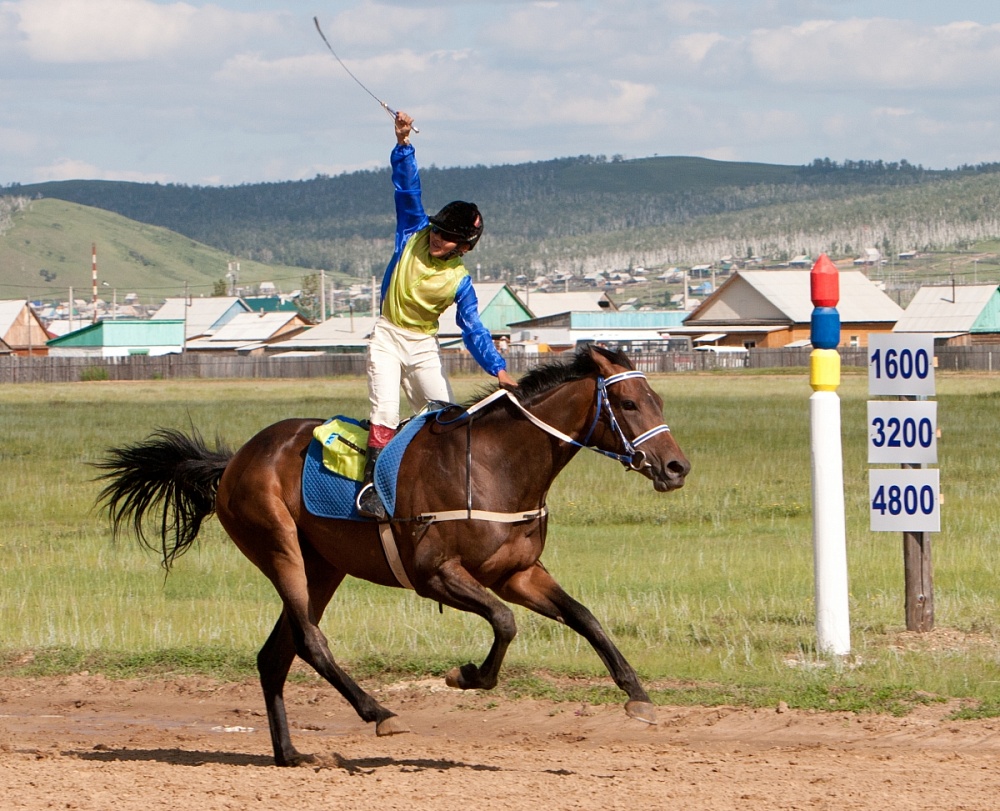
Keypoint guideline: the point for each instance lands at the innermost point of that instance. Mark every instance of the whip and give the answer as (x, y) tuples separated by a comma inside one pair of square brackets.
[(385, 106)]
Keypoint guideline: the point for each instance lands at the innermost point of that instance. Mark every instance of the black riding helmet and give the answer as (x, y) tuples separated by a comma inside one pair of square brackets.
[(460, 221)]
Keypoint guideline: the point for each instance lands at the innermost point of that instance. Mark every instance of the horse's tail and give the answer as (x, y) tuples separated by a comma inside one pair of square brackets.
[(169, 472)]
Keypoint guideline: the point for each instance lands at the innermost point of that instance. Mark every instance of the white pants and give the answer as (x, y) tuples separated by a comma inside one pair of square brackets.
[(398, 356)]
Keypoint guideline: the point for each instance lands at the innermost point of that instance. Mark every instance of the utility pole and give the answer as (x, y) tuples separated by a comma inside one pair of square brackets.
[(93, 274)]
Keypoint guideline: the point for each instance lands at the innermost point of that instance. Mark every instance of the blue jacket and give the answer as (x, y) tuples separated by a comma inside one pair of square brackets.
[(410, 219)]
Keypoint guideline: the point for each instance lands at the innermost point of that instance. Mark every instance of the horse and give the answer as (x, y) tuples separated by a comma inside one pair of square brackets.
[(468, 526)]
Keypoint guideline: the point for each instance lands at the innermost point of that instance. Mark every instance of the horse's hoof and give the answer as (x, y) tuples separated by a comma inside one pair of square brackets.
[(641, 711), (390, 726), (453, 678), (298, 759)]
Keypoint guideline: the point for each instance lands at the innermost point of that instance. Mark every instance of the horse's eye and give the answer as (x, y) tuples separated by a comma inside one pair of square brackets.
[(629, 405)]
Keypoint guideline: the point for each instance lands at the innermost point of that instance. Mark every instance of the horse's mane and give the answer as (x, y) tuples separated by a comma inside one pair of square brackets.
[(549, 375)]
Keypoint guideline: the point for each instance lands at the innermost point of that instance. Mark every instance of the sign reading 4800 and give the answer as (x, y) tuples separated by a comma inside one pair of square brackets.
[(904, 500)]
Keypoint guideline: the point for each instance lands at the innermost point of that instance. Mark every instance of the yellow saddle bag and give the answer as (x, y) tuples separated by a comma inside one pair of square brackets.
[(345, 442)]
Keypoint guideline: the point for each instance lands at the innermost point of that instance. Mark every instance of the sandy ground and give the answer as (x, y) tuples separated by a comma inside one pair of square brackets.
[(85, 742)]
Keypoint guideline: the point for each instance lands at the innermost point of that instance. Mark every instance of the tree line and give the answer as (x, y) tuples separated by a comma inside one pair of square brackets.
[(574, 213)]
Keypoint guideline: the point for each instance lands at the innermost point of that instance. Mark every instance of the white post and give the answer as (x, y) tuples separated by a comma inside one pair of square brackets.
[(833, 628)]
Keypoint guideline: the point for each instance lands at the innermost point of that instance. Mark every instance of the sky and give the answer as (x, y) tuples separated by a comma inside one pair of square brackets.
[(244, 91)]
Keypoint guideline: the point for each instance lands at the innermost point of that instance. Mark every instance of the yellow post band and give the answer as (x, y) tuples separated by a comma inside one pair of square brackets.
[(824, 369)]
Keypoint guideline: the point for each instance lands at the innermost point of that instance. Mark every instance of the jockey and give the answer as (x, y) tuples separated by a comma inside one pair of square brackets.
[(425, 276)]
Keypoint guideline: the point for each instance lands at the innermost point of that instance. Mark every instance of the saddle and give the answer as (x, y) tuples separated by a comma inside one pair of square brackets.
[(334, 465)]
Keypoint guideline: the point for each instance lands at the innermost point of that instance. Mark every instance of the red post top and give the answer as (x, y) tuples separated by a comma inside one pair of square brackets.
[(824, 282)]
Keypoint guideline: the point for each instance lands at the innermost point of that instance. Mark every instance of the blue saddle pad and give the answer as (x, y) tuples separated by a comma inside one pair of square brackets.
[(328, 495)]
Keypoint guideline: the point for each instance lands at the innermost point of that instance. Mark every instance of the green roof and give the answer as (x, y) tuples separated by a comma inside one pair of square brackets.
[(165, 332), (989, 318)]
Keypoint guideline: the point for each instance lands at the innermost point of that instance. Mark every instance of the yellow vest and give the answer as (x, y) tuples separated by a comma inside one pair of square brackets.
[(421, 287)]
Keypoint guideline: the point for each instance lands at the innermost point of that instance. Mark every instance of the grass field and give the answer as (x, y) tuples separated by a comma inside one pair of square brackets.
[(708, 591)]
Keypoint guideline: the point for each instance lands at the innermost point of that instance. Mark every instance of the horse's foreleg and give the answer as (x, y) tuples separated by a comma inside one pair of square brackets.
[(536, 589), (453, 586)]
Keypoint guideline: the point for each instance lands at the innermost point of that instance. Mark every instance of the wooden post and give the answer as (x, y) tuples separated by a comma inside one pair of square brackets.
[(919, 581), (918, 574)]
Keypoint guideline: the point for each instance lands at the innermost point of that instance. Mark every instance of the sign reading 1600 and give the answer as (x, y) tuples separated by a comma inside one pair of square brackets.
[(904, 363), (901, 364)]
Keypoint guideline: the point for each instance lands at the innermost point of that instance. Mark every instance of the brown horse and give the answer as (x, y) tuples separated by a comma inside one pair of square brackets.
[(496, 463)]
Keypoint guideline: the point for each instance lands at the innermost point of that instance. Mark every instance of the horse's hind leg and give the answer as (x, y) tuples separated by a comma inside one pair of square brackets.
[(536, 589), (306, 585), (274, 661)]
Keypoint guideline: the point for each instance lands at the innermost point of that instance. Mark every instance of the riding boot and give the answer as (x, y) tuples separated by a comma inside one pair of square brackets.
[(368, 502)]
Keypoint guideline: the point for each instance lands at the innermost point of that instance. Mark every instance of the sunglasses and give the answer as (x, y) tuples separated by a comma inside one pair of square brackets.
[(456, 238)]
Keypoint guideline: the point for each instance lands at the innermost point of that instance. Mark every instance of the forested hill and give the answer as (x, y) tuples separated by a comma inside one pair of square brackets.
[(571, 210)]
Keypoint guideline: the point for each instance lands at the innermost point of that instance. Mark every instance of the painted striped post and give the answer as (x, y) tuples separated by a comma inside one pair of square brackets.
[(93, 276), (833, 630)]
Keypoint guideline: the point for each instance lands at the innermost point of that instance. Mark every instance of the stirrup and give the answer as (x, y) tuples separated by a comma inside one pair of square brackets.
[(369, 504)]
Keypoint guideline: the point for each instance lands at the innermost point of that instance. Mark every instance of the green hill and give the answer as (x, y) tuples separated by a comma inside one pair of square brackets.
[(45, 249), (576, 215)]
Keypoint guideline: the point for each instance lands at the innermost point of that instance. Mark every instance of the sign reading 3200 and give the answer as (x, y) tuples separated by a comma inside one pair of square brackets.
[(901, 364), (902, 432)]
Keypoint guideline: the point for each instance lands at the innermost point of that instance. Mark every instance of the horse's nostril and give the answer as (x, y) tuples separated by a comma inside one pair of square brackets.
[(679, 468)]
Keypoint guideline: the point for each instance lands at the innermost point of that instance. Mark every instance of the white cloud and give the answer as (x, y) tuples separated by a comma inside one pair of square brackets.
[(69, 169), (877, 54), (110, 31), (892, 112)]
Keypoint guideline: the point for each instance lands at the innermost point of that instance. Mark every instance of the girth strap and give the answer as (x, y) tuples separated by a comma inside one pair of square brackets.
[(392, 555), (392, 551), (482, 515)]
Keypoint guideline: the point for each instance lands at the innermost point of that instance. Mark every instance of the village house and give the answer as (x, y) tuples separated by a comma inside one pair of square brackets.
[(116, 338), (201, 316), (21, 330), (956, 315), (773, 308)]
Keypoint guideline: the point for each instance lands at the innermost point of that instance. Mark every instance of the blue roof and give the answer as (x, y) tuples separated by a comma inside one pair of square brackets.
[(627, 319)]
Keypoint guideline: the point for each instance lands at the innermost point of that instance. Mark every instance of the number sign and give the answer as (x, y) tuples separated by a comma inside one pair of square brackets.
[(902, 432), (901, 364), (904, 500)]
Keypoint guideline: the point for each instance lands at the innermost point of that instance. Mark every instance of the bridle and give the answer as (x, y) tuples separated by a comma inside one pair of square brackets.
[(632, 458)]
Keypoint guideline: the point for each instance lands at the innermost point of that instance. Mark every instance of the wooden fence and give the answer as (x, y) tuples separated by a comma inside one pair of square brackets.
[(17, 369)]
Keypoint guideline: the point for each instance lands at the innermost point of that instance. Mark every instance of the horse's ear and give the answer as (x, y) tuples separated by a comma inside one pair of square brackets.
[(602, 360)]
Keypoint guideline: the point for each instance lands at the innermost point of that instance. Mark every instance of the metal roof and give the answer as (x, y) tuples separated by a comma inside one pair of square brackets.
[(950, 309), (246, 328), (201, 315), (339, 331), (545, 304), (785, 295), (161, 332)]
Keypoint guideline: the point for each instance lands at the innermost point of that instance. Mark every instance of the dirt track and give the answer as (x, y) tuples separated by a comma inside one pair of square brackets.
[(84, 742)]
